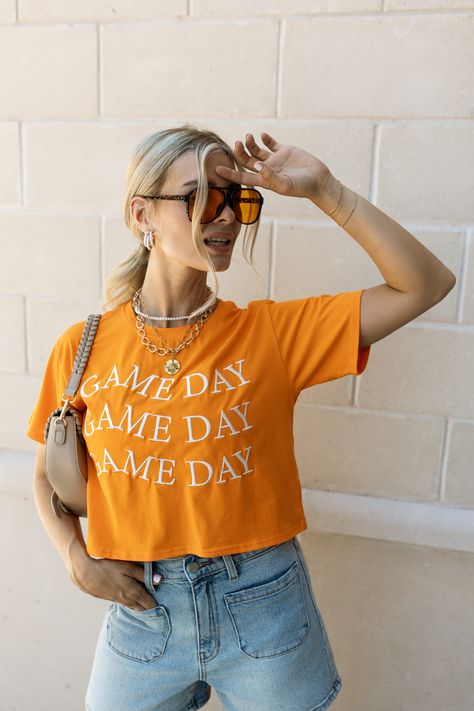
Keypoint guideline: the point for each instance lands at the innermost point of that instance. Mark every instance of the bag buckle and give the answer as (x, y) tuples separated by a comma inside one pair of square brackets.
[(60, 423), (66, 402)]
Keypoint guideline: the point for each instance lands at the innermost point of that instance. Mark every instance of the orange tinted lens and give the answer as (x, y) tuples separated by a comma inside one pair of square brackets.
[(247, 206), (214, 202)]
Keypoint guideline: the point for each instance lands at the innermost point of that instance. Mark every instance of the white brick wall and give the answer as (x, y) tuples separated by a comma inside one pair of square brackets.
[(402, 66), (425, 171), (12, 322), (231, 73), (459, 485), (362, 461), (430, 369), (48, 71), (50, 254), (381, 91), (77, 166), (10, 173)]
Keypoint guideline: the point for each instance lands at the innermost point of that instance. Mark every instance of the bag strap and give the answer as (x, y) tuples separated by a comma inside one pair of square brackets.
[(82, 355)]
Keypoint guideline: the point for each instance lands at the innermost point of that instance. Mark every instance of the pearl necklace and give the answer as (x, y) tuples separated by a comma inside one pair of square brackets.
[(160, 318)]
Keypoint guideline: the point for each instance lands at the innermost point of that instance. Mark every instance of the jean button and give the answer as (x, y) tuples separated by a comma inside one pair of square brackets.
[(193, 567)]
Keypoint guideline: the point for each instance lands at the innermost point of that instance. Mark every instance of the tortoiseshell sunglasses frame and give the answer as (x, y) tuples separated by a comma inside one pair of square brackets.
[(228, 197)]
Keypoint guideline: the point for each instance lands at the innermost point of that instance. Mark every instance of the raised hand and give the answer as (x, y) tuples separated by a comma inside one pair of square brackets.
[(286, 170)]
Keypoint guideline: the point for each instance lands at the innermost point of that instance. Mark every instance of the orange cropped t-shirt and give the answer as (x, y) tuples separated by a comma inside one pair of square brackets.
[(201, 461)]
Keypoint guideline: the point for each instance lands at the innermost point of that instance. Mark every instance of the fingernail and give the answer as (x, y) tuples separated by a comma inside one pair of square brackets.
[(156, 578), (258, 166)]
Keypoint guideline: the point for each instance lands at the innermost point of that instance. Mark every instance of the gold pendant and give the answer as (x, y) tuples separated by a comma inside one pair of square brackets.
[(172, 366)]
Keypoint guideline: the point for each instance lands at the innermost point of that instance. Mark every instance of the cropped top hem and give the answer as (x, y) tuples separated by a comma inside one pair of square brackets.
[(202, 552)]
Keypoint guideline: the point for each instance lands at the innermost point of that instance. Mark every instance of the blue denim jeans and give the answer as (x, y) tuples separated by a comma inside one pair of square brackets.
[(246, 625)]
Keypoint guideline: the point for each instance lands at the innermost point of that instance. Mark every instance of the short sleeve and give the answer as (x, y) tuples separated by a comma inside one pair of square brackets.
[(55, 378), (318, 337)]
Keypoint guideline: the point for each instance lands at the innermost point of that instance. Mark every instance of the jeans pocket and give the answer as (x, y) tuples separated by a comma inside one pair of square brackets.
[(270, 619), (137, 635)]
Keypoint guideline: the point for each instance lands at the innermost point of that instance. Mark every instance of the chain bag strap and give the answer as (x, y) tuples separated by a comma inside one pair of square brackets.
[(66, 452)]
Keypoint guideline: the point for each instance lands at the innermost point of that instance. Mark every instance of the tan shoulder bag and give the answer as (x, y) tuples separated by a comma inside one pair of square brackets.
[(66, 451)]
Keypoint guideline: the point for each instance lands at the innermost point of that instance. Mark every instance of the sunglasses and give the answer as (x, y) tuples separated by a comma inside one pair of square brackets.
[(245, 202)]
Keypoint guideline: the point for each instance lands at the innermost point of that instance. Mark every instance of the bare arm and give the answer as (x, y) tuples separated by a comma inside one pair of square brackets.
[(415, 279), (117, 580), (64, 532)]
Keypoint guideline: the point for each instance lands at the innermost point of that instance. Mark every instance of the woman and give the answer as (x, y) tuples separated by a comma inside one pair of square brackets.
[(194, 501)]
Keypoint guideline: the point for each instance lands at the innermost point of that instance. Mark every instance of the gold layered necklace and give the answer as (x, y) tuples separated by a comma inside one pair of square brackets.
[(172, 365)]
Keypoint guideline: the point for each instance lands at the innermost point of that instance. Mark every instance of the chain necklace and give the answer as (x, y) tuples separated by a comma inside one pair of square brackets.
[(172, 365)]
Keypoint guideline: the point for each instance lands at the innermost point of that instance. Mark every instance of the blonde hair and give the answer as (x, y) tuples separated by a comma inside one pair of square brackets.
[(147, 172)]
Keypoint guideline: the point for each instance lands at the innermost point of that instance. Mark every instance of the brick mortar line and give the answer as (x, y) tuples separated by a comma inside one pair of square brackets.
[(439, 326), (211, 19), (363, 13), (99, 70), (466, 248), (375, 164), (396, 414), (287, 122), (177, 20), (102, 275), (354, 393), (25, 334), (279, 67), (445, 449), (323, 221), (22, 163)]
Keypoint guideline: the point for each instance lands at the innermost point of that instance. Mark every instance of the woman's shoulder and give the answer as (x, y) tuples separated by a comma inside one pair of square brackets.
[(71, 335), (113, 315), (72, 332)]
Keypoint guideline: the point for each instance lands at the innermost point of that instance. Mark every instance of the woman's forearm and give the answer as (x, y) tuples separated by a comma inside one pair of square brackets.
[(405, 263), (65, 532)]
